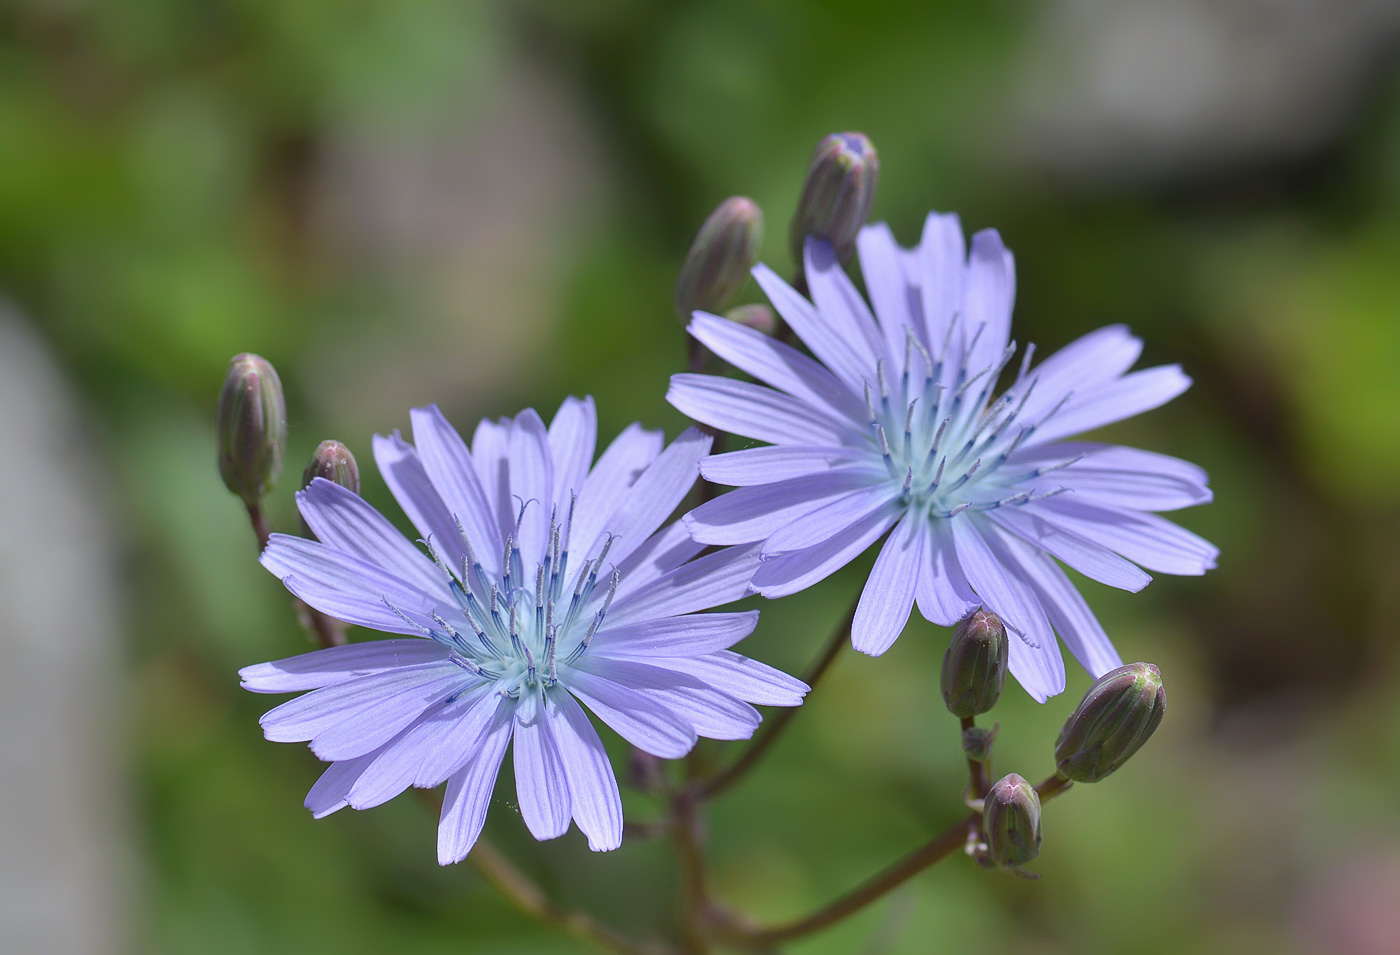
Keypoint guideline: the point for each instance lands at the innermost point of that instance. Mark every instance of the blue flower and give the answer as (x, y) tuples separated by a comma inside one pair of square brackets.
[(896, 427), (548, 582)]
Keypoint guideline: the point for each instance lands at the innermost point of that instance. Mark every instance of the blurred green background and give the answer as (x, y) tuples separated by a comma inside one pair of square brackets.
[(485, 205)]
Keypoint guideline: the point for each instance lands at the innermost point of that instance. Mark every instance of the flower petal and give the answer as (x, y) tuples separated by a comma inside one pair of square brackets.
[(777, 364), (343, 520), (888, 595), (754, 411), (657, 491), (686, 636), (942, 590), (346, 587), (573, 437), (840, 304), (942, 269), (988, 298), (791, 573), (1091, 559), (703, 583), (399, 763), (1068, 612), (329, 793), (409, 483), (825, 522), (645, 724), (743, 678), (333, 665), (753, 513), (1085, 363), (1145, 539), (355, 717), (660, 553), (449, 465), (597, 805), (881, 262), (531, 485), (469, 792), (456, 732), (630, 452), (775, 463), (1128, 396), (1115, 475), (713, 713), (540, 786), (823, 334), (1035, 656)]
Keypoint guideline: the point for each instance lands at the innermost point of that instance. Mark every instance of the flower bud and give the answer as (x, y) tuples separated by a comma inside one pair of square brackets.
[(252, 427), (1011, 822), (334, 462), (758, 317), (838, 193), (1117, 715), (974, 667), (724, 250)]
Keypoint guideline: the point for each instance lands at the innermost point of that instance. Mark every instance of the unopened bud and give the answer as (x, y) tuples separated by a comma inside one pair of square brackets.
[(1011, 821), (838, 193), (334, 462), (252, 427), (758, 317), (1117, 715), (974, 667), (724, 250)]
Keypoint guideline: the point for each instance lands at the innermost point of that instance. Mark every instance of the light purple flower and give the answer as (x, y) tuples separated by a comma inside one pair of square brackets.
[(546, 584), (895, 427)]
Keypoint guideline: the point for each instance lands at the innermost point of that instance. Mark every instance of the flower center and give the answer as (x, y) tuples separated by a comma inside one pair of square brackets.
[(942, 437), (521, 625)]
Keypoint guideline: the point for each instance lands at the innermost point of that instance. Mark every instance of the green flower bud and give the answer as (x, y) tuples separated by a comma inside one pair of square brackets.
[(1011, 822), (724, 250), (974, 667), (334, 462), (252, 427), (838, 193), (758, 317), (1117, 715)]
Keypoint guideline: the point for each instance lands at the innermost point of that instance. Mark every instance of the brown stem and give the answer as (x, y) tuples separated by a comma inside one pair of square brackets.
[(774, 727), (261, 527), (1052, 786), (527, 896), (940, 846), (690, 858)]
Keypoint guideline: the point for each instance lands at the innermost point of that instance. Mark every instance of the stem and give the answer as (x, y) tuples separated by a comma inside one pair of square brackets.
[(774, 727), (526, 895), (328, 631), (979, 774), (1052, 786), (261, 527), (529, 898), (940, 846), (690, 858)]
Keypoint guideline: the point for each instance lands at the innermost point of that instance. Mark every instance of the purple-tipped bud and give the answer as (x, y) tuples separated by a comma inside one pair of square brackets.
[(724, 250), (1011, 821), (838, 193), (334, 462), (974, 667), (252, 427), (758, 317), (1117, 715)]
